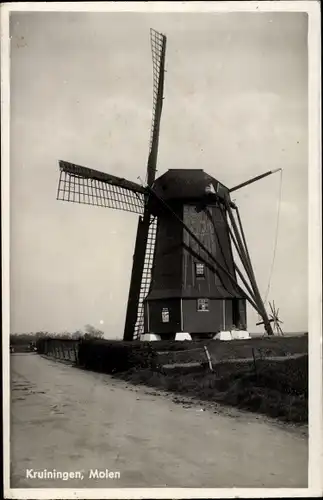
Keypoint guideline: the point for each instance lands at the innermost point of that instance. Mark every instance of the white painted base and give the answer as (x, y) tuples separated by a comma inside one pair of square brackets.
[(148, 337), (240, 334), (183, 336), (232, 335), (223, 336)]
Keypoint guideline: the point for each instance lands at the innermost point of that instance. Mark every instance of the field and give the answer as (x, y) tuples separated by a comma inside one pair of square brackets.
[(263, 375)]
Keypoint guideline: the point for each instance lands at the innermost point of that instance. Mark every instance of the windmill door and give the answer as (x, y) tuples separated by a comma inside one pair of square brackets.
[(163, 316)]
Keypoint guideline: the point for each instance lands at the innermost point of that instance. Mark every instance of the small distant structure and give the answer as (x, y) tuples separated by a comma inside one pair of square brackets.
[(32, 347), (274, 319)]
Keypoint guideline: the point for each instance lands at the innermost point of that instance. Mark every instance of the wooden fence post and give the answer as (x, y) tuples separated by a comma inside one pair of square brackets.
[(254, 362), (75, 355), (208, 357)]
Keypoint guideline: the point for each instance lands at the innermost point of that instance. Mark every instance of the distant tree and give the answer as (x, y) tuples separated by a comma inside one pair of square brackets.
[(64, 335), (40, 335), (78, 334), (92, 333), (21, 338)]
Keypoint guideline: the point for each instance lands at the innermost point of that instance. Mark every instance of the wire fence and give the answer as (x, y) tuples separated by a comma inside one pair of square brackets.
[(180, 359), (203, 357), (63, 350), (187, 358)]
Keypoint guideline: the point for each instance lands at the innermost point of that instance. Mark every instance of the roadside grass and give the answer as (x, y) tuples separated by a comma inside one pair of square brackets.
[(279, 389)]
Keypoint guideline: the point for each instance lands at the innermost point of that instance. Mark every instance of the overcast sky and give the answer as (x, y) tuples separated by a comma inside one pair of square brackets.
[(81, 90)]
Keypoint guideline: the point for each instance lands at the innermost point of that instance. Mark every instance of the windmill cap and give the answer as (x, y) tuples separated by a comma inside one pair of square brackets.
[(186, 184)]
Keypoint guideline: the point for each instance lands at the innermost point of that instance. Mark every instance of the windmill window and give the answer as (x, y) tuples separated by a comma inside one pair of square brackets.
[(165, 315), (202, 305), (199, 270)]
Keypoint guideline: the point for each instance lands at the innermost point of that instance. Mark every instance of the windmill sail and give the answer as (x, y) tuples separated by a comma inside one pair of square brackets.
[(143, 256), (83, 185), (158, 49), (146, 277)]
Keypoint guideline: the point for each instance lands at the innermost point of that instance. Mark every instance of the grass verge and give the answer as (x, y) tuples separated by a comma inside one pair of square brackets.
[(279, 389)]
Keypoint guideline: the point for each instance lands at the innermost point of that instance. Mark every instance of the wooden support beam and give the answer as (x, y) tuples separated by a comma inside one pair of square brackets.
[(254, 179), (243, 261), (242, 256), (262, 323), (244, 242), (250, 291), (252, 275)]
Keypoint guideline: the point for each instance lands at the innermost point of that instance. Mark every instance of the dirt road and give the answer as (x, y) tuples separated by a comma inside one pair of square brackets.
[(69, 420)]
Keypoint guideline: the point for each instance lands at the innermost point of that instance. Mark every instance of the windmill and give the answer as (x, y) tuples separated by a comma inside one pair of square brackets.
[(184, 277)]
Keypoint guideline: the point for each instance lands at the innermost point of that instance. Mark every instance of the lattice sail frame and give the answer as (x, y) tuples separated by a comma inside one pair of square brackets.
[(86, 186), (146, 277), (158, 50)]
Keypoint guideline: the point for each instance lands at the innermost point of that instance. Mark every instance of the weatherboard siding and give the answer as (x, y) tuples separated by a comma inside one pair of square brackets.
[(195, 321), (166, 270), (212, 232)]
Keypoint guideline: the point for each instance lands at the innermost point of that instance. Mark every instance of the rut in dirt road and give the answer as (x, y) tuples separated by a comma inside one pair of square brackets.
[(69, 420)]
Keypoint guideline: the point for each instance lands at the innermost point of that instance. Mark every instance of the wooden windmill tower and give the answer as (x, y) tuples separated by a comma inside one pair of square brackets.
[(184, 277)]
